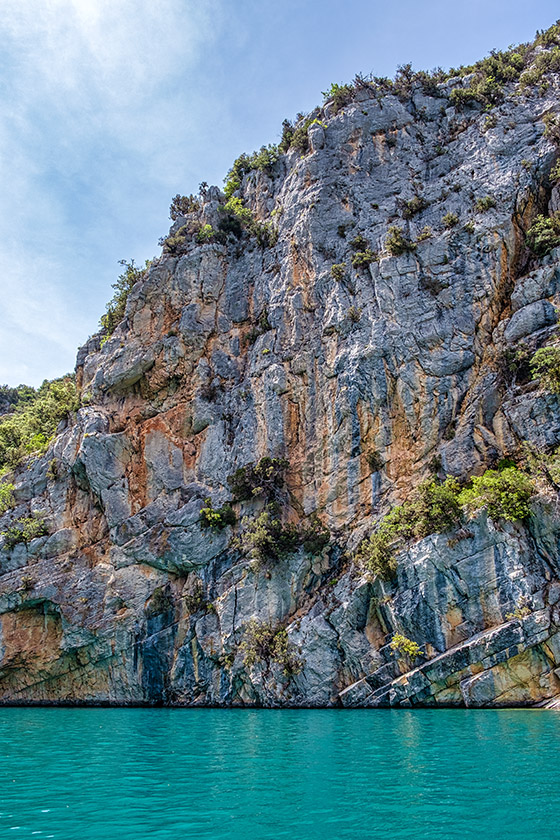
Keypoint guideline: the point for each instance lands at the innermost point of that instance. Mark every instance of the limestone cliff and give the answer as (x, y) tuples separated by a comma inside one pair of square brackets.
[(365, 378)]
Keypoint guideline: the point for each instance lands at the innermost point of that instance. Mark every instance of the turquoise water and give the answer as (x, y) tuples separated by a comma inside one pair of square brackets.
[(171, 774)]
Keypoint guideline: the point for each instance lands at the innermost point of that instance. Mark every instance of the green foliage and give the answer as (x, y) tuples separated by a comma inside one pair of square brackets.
[(450, 220), (544, 234), (414, 206), (262, 478), (555, 172), (354, 313), (23, 531), (263, 160), (265, 233), (339, 95), (433, 508), (468, 227), (338, 271), (489, 75), (115, 309), (545, 62), (425, 233), (363, 258), (159, 603), (403, 646), (315, 536), (504, 493), (216, 518), (11, 397), (6, 496), (265, 644), (486, 203), (181, 205), (521, 611), (205, 234), (543, 464), (266, 538), (30, 427), (545, 365), (396, 242), (359, 242)]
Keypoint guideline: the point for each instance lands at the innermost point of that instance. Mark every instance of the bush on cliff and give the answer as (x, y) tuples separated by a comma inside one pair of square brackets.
[(432, 508), (264, 644), (545, 365), (116, 307), (6, 496), (216, 518), (23, 531), (266, 538), (544, 234), (263, 478), (30, 427), (181, 205), (504, 493)]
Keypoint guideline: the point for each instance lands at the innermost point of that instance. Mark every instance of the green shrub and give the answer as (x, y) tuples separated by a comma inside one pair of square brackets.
[(265, 644), (489, 75), (425, 233), (433, 508), (266, 538), (23, 531), (363, 258), (181, 205), (545, 62), (403, 646), (216, 518), (262, 160), (262, 478), (205, 234), (544, 234), (396, 243), (265, 233), (315, 536), (359, 242), (31, 426), (339, 95), (486, 203), (338, 271), (414, 206), (116, 307), (504, 493), (450, 220), (6, 496), (354, 313), (160, 602), (555, 172), (545, 365)]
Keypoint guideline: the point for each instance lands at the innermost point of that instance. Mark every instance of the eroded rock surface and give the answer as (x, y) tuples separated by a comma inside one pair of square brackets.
[(232, 352)]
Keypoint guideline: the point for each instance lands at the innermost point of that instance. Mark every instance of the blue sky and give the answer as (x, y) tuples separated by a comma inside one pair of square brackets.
[(111, 107)]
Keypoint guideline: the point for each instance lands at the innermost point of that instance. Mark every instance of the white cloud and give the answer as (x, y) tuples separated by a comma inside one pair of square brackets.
[(90, 92)]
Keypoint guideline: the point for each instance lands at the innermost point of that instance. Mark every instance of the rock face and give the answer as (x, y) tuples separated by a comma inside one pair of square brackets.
[(365, 382)]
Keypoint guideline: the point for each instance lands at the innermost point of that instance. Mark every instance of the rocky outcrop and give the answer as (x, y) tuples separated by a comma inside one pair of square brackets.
[(366, 381)]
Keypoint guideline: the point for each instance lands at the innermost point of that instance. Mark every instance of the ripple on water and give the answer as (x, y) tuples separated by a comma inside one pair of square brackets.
[(210, 774)]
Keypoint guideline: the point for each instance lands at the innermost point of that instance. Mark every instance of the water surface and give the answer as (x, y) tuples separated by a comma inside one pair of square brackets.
[(211, 774)]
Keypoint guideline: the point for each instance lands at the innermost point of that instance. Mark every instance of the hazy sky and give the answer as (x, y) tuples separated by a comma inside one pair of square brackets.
[(110, 107)]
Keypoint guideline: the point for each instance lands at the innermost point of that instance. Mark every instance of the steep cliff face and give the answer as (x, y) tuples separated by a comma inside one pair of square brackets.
[(366, 379)]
